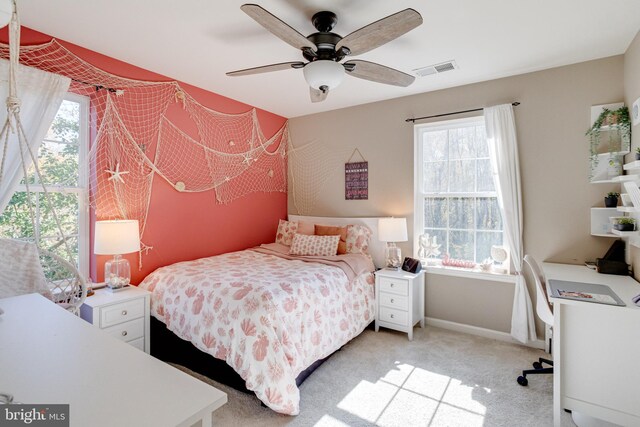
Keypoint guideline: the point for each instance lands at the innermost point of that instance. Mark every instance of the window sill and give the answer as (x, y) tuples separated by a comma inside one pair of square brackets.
[(470, 274)]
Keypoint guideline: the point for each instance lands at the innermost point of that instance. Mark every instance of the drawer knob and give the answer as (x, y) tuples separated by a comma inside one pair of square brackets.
[(392, 316), (124, 312), (392, 285), (391, 300), (124, 333)]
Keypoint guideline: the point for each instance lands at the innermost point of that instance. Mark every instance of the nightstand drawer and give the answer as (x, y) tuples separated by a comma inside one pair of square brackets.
[(118, 313), (127, 331), (390, 315), (394, 286), (394, 301)]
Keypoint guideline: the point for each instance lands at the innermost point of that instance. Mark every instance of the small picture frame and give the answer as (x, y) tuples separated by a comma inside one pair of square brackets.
[(635, 112)]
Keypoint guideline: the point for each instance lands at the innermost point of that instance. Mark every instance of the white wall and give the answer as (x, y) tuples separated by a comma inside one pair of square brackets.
[(631, 93), (551, 121)]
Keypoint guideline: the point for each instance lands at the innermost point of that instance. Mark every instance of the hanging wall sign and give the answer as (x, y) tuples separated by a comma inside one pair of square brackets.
[(356, 179)]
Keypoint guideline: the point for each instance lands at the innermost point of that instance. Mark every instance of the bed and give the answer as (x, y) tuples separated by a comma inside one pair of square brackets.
[(271, 316)]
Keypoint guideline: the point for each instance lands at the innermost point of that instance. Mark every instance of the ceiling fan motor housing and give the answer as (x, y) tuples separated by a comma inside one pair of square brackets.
[(326, 43)]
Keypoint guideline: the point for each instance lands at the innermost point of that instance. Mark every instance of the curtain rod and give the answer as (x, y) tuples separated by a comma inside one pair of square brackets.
[(515, 104)]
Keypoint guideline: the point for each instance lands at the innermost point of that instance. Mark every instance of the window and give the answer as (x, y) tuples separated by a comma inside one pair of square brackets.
[(60, 157), (456, 199)]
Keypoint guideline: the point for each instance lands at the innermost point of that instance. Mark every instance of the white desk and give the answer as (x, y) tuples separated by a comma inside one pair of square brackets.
[(47, 355), (596, 350)]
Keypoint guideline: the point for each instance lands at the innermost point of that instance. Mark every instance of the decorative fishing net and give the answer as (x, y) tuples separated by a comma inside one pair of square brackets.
[(134, 139)]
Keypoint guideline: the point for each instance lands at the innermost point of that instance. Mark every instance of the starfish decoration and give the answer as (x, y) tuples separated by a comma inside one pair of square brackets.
[(116, 174), (428, 246), (247, 159)]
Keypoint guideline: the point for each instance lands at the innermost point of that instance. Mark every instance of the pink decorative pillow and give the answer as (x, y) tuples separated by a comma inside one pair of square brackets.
[(329, 230), (314, 245), (286, 230), (306, 227), (358, 237)]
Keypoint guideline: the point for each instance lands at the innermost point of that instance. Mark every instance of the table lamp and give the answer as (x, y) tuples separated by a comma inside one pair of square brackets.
[(115, 238), (392, 230)]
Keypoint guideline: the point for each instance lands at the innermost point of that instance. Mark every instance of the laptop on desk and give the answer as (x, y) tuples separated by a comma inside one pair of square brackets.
[(587, 292)]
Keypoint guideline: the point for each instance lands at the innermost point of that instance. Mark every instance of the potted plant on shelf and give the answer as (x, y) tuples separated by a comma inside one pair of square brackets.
[(611, 120), (611, 200), (624, 224)]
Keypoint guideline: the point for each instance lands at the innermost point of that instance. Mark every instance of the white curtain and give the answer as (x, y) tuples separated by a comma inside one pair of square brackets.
[(503, 151), (41, 94)]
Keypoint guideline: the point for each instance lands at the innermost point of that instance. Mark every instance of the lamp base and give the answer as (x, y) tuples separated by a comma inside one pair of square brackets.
[(112, 290), (393, 256), (117, 273)]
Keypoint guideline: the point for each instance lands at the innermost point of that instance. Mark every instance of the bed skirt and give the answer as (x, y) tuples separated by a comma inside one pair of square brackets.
[(170, 348)]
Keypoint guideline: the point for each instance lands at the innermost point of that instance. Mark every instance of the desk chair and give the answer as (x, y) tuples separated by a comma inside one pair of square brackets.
[(544, 311)]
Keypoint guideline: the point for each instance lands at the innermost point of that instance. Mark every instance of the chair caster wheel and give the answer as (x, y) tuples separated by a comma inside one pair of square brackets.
[(537, 365), (522, 381)]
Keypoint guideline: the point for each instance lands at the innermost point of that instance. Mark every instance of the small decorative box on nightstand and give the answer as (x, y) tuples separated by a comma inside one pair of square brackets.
[(123, 315), (399, 300)]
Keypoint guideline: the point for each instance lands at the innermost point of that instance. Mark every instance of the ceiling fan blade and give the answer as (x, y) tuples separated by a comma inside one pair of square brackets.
[(318, 95), (278, 27), (380, 32), (266, 68), (378, 73)]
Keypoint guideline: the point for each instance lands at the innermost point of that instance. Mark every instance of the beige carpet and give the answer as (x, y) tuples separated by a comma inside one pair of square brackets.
[(442, 378)]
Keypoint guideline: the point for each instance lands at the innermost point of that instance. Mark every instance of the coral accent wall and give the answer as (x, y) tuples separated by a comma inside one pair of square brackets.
[(184, 226)]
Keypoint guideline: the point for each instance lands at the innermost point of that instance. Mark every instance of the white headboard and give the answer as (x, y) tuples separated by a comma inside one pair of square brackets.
[(376, 247)]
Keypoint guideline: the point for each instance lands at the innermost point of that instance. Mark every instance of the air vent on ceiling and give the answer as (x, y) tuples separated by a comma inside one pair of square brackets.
[(436, 69)]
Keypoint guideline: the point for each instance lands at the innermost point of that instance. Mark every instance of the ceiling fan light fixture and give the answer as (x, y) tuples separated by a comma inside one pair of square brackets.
[(325, 73)]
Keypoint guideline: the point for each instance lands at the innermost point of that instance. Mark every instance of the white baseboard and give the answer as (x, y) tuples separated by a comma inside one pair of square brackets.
[(483, 332)]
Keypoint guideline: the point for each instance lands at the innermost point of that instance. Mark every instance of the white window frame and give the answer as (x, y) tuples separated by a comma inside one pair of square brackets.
[(419, 196), (82, 190)]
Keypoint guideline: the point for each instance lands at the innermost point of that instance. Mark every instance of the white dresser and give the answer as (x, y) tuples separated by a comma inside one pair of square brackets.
[(123, 315), (399, 300)]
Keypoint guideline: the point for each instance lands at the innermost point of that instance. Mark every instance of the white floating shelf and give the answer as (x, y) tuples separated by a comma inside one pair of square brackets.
[(624, 233), (600, 221), (613, 153), (603, 235), (629, 209), (632, 166), (626, 178), (602, 181), (607, 128)]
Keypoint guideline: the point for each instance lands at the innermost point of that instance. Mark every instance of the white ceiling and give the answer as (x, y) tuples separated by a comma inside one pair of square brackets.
[(197, 41)]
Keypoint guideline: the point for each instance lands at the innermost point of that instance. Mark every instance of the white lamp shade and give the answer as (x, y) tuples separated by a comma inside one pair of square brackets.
[(116, 237), (6, 10), (323, 72), (392, 230)]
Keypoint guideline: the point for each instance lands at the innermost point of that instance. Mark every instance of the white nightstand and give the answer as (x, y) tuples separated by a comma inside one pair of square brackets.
[(399, 300), (123, 315)]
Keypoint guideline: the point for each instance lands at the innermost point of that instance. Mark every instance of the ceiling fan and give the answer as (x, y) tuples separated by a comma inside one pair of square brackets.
[(324, 49)]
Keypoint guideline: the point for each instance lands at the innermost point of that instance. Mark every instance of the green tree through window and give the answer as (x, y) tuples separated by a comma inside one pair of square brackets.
[(60, 155), (456, 199)]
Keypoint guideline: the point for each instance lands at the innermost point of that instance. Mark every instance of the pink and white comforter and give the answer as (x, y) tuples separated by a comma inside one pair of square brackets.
[(269, 318)]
